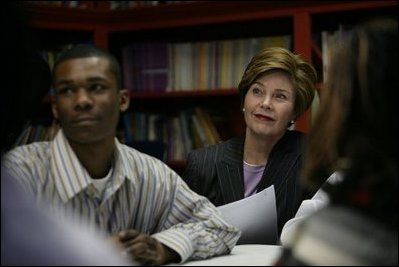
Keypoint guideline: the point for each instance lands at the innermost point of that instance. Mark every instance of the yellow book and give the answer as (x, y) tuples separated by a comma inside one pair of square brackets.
[(209, 127)]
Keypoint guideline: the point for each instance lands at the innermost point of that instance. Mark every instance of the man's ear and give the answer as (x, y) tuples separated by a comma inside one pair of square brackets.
[(54, 108), (124, 100)]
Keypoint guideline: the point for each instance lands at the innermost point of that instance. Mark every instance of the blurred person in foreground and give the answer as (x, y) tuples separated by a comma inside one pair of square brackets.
[(31, 236), (356, 134)]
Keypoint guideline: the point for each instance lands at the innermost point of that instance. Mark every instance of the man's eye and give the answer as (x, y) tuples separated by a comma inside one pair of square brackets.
[(97, 87), (65, 90)]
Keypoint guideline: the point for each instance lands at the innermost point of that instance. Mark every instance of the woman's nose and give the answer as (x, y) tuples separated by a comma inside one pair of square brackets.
[(266, 103)]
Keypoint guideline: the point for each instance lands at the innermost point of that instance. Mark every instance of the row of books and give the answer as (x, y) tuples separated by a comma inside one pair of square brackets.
[(67, 4), (166, 137), (330, 42), (36, 133), (179, 134), (162, 66), (122, 5), (111, 5)]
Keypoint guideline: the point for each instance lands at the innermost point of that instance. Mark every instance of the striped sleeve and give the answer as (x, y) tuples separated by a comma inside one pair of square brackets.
[(22, 163), (195, 229)]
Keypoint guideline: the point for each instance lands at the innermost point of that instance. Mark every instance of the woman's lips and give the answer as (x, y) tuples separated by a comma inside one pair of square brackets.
[(264, 117)]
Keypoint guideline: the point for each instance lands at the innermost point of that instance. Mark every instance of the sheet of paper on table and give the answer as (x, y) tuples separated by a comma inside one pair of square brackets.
[(255, 216)]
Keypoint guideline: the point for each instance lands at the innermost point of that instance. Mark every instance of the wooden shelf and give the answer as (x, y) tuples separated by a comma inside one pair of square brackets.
[(184, 14), (199, 21), (55, 17)]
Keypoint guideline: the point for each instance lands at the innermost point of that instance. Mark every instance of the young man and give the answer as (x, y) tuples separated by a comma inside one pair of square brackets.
[(30, 235), (138, 200)]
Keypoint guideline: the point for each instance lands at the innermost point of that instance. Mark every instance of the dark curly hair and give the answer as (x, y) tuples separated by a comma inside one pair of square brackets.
[(356, 129), (88, 50)]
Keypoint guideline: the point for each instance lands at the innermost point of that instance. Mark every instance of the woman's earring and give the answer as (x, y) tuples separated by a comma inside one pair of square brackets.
[(243, 109)]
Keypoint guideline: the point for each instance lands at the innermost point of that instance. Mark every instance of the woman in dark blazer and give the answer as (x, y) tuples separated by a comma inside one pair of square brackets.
[(276, 88)]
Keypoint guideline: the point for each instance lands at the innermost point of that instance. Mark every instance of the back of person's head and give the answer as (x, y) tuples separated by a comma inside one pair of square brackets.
[(356, 128), (27, 76), (86, 51), (303, 75)]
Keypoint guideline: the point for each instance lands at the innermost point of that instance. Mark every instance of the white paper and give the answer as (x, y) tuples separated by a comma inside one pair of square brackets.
[(255, 216)]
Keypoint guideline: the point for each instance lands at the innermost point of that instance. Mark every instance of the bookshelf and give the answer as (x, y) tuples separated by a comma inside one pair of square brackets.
[(203, 21)]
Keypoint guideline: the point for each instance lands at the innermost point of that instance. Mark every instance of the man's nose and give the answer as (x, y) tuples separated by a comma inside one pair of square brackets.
[(83, 99)]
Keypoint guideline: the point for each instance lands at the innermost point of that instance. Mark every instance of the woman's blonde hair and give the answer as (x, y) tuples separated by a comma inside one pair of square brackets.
[(303, 75)]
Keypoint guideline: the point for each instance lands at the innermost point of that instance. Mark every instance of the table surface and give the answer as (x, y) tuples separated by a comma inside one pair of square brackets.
[(242, 255)]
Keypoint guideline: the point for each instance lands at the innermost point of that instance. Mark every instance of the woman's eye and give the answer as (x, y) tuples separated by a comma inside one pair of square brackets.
[(281, 96), (256, 91)]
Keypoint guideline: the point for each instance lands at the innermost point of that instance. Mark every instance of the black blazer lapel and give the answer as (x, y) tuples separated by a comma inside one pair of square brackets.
[(230, 171), (283, 158)]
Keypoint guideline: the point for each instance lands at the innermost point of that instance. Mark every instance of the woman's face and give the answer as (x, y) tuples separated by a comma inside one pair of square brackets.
[(269, 105)]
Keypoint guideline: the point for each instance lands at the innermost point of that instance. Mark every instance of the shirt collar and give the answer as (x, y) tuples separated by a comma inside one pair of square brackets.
[(70, 175)]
